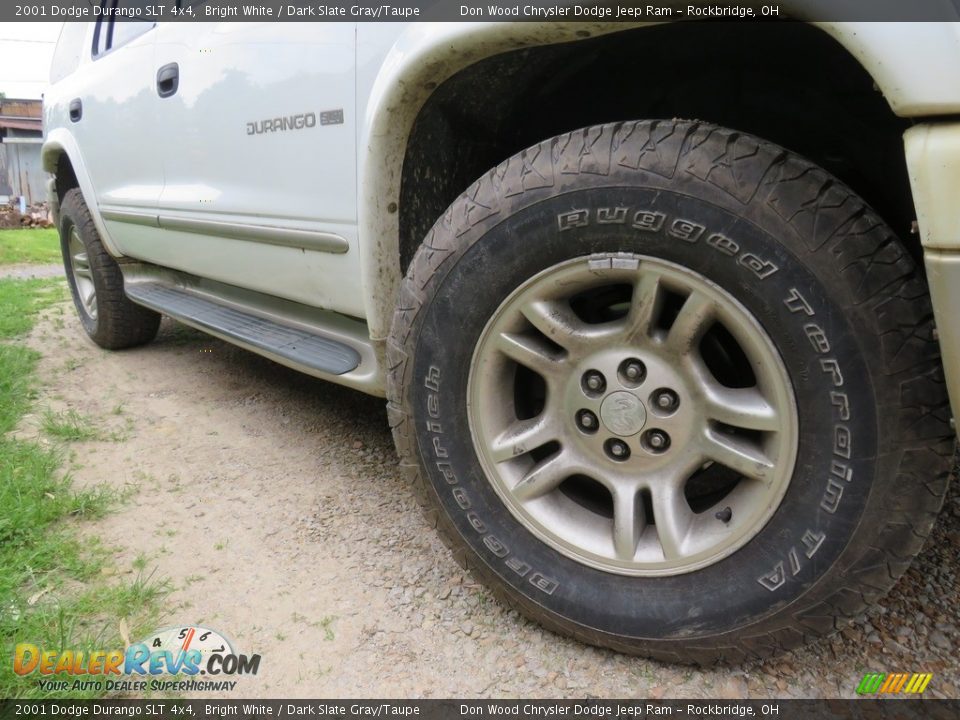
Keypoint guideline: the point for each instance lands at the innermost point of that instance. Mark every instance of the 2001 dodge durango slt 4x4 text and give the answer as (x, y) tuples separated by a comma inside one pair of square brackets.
[(670, 386)]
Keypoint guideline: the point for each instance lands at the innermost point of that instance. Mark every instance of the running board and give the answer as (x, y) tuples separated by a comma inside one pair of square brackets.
[(298, 347)]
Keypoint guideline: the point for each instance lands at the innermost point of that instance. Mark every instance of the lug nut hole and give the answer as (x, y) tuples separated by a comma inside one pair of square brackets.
[(593, 383), (655, 441), (587, 422), (617, 449), (632, 372)]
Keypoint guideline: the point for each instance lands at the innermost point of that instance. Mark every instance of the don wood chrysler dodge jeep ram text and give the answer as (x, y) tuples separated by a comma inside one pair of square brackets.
[(677, 387)]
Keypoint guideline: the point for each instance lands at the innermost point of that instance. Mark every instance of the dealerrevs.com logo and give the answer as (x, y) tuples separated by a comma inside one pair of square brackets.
[(894, 683), (171, 659)]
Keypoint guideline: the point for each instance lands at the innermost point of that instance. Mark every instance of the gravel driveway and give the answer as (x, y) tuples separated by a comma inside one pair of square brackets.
[(26, 272), (273, 503)]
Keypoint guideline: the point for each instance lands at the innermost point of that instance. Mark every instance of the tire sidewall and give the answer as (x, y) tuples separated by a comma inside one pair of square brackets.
[(805, 314)]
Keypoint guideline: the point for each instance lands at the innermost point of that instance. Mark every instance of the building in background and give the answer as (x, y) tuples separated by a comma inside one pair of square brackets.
[(21, 136)]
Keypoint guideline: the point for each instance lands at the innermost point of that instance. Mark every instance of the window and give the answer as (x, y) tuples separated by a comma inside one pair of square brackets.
[(122, 21), (69, 49)]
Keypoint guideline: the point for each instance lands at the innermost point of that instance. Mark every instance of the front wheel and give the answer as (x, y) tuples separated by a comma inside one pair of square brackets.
[(672, 390)]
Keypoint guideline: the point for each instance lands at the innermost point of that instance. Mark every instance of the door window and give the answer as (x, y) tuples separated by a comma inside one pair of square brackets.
[(123, 21)]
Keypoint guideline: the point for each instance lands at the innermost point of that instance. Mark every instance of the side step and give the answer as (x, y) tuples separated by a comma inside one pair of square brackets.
[(298, 346)]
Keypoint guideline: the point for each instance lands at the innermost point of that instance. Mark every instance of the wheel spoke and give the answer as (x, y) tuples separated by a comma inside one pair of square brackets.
[(644, 306), (89, 295), (555, 320), (529, 352), (628, 523), (737, 454), (692, 321), (739, 407), (83, 272), (522, 437), (543, 477), (672, 517)]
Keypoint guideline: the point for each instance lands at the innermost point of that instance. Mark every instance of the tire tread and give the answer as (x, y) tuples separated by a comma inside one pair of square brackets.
[(120, 322), (880, 274)]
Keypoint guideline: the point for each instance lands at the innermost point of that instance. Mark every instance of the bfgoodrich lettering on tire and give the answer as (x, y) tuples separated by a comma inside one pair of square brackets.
[(670, 389)]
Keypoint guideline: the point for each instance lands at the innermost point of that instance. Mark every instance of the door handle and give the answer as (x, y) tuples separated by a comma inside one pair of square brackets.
[(76, 110), (168, 80)]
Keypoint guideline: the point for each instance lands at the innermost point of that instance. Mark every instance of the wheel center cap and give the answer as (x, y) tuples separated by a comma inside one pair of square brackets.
[(623, 414)]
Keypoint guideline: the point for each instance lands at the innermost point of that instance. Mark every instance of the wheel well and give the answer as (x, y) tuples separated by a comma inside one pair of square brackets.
[(789, 83), (66, 177)]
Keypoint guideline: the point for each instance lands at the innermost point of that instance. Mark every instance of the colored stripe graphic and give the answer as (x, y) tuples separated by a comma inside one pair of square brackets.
[(883, 683), (870, 683), (901, 681), (889, 682)]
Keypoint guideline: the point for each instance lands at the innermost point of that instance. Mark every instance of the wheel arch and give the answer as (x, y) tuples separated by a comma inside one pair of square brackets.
[(61, 157), (425, 59)]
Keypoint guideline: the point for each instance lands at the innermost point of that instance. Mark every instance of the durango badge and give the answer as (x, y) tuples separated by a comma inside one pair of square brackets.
[(280, 124)]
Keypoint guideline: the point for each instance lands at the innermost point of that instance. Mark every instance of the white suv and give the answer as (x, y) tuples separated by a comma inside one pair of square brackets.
[(669, 386)]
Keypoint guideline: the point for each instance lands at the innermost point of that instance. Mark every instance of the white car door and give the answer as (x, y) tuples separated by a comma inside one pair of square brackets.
[(113, 112), (258, 149)]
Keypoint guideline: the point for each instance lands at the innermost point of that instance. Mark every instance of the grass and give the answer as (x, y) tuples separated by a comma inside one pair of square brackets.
[(69, 425), (36, 246), (54, 591), (327, 624), (16, 389), (21, 300)]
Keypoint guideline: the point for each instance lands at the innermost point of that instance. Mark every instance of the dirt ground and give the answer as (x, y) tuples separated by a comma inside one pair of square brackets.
[(272, 502)]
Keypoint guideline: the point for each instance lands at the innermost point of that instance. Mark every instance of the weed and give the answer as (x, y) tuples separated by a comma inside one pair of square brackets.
[(69, 425), (327, 624)]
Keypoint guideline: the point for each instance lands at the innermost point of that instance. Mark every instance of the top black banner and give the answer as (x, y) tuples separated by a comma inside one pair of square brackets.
[(627, 11)]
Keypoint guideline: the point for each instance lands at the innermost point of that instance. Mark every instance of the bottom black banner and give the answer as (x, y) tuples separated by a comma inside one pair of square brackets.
[(481, 709)]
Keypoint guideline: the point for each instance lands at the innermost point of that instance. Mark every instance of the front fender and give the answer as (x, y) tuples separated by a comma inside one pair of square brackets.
[(915, 65), (59, 142)]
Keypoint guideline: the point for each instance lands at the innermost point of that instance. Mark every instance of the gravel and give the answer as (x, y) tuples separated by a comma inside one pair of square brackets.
[(26, 272), (332, 573)]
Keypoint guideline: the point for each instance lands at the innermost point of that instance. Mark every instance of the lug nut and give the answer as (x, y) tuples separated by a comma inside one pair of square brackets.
[(656, 440), (594, 382), (587, 421), (632, 371), (666, 400), (617, 449)]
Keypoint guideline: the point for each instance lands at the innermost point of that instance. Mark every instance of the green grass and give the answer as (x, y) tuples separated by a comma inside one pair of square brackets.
[(21, 300), (54, 591), (327, 624), (37, 246), (16, 386), (69, 425)]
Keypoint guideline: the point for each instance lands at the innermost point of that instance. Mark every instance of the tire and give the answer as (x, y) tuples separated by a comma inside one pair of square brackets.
[(833, 322), (109, 318)]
